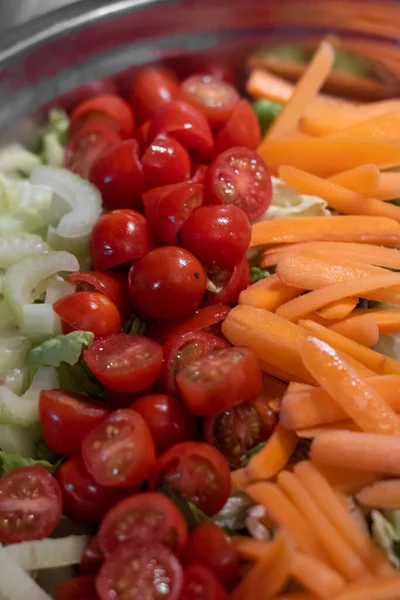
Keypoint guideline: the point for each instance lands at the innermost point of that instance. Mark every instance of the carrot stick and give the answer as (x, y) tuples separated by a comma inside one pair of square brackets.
[(347, 481), (328, 502), (389, 187), (316, 576), (362, 329), (385, 125), (274, 456), (382, 494), (364, 179), (281, 374), (306, 90), (249, 548), (387, 320), (337, 197), (312, 432), (362, 229), (339, 309), (239, 479), (262, 84), (268, 293), (380, 589)]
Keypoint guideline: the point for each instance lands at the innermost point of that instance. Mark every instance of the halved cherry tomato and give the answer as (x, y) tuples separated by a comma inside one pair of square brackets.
[(92, 558), (62, 413), (204, 65), (30, 505), (199, 583), (217, 235), (120, 451), (233, 283), (208, 545), (88, 311), (84, 500), (237, 430), (119, 237), (118, 174), (165, 161), (168, 419), (112, 285), (152, 89), (185, 123), (220, 380), (79, 587), (182, 349), (239, 176), (87, 144), (197, 471), (99, 87), (144, 518), (140, 572), (242, 129), (168, 207), (111, 106), (198, 173), (142, 135), (215, 98), (125, 363), (168, 283)]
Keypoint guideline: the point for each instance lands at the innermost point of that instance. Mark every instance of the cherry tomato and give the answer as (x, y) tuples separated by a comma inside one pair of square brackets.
[(204, 65), (135, 572), (199, 583), (203, 383), (88, 311), (242, 129), (112, 285), (208, 545), (198, 173), (79, 587), (165, 161), (120, 451), (88, 90), (118, 174), (168, 419), (182, 349), (168, 283), (217, 235), (109, 106), (239, 176), (152, 89), (197, 471), (143, 135), (185, 123), (237, 430), (119, 237), (120, 400), (215, 98), (87, 144), (92, 558), (233, 283), (65, 419), (143, 518), (125, 363), (168, 207), (30, 505)]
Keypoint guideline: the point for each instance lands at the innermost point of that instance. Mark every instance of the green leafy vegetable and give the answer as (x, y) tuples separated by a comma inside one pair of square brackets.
[(193, 515), (10, 462), (62, 348), (352, 63), (256, 274), (266, 112), (395, 201), (53, 137), (78, 379), (245, 459), (386, 533), (301, 451), (232, 517)]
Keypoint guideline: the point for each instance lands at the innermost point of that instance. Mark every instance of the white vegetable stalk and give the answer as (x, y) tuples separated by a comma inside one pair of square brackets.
[(41, 322), (13, 348), (17, 159), (16, 439), (16, 223), (57, 289), (15, 583), (16, 380), (7, 316), (49, 553), (22, 196)]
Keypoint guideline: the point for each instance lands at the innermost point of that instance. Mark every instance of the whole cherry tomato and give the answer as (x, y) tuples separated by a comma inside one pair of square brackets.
[(79, 587), (213, 97), (242, 129), (87, 144), (230, 283), (112, 285), (88, 311), (199, 583), (165, 161), (152, 89), (108, 106)]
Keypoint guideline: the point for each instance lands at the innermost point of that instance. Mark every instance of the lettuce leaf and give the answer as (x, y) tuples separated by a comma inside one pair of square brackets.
[(10, 462), (62, 348)]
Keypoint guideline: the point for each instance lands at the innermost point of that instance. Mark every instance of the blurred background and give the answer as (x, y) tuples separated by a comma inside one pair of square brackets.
[(13, 12)]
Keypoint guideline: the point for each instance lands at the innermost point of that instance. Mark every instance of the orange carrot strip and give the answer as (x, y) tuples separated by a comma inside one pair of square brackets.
[(380, 589), (268, 293), (239, 479), (362, 229), (347, 481), (339, 309), (262, 84), (337, 197), (312, 432), (385, 125), (306, 90), (362, 329), (364, 179), (251, 549), (387, 320), (389, 187), (328, 502), (316, 576), (382, 494), (274, 456), (281, 374)]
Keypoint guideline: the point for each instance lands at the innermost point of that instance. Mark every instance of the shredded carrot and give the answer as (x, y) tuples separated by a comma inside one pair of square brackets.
[(389, 187), (312, 432), (364, 179), (347, 481), (362, 329), (386, 125), (382, 494), (281, 374), (249, 548), (316, 576), (274, 456), (262, 84), (387, 320), (268, 293), (380, 589), (339, 309)]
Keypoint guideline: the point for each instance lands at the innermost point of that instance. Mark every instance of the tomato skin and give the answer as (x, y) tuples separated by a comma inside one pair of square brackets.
[(152, 89), (143, 518), (168, 283), (168, 419), (63, 412), (203, 384), (215, 98), (112, 285), (142, 135), (198, 173), (36, 488), (118, 174), (92, 558), (182, 349), (165, 161), (88, 311), (112, 106), (199, 583), (118, 237), (242, 129), (125, 363), (239, 176), (87, 144), (120, 451), (79, 587), (237, 281), (198, 471)]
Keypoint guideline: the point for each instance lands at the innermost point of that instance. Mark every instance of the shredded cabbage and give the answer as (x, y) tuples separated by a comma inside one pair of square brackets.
[(15, 583), (17, 160), (49, 553), (15, 246)]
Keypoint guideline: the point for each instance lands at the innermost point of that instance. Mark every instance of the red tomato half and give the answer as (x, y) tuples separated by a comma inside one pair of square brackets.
[(118, 174), (125, 363), (233, 283), (79, 587), (112, 285), (141, 519), (181, 350), (199, 583), (215, 98), (151, 90), (239, 176), (165, 161), (120, 451), (119, 237), (88, 311), (65, 419), (198, 173), (87, 144), (140, 572), (197, 471), (220, 380), (242, 129), (109, 105), (30, 505)]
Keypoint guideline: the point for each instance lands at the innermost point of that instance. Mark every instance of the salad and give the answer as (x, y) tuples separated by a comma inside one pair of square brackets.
[(199, 348)]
